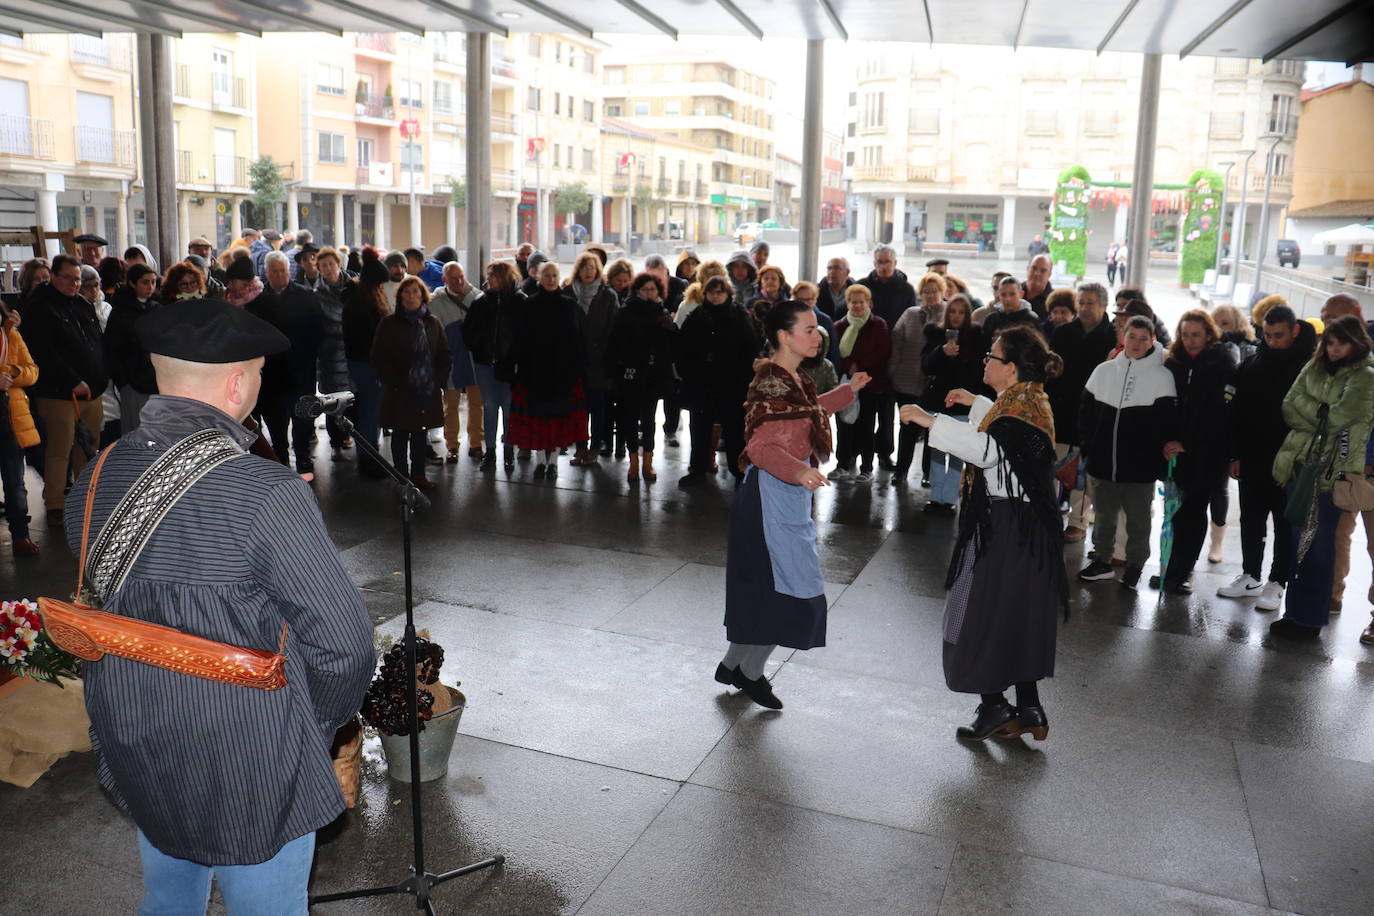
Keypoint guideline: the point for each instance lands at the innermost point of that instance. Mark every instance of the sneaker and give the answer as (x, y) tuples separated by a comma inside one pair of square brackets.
[(1131, 578), (1270, 597), (673, 443), (864, 476), (840, 474), (1073, 534), (1244, 586), (1096, 571)]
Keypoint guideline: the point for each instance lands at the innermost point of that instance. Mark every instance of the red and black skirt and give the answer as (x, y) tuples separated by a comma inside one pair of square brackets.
[(547, 423)]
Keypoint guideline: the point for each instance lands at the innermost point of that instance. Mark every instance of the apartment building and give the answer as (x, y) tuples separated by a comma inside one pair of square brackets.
[(68, 156), (711, 103), (1333, 180), (833, 193), (654, 183), (961, 144), (214, 111)]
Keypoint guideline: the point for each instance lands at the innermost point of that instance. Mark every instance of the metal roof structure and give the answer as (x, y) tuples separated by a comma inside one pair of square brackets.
[(1339, 30)]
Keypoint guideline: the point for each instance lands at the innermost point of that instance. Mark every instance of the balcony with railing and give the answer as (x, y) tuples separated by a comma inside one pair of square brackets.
[(873, 173), (231, 171), (701, 189), (504, 180), (227, 92), (383, 42), (503, 122), (103, 146), (371, 105), (684, 187), (502, 66), (1283, 124), (185, 167), (1282, 184), (664, 185), (922, 173), (27, 138), (101, 52), (452, 53)]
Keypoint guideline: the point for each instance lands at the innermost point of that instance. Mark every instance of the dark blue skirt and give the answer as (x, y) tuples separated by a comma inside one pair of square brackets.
[(755, 612)]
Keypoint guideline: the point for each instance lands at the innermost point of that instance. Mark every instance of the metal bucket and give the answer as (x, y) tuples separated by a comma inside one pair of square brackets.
[(436, 743)]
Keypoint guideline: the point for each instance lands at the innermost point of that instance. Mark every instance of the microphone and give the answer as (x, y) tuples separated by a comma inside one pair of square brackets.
[(312, 405)]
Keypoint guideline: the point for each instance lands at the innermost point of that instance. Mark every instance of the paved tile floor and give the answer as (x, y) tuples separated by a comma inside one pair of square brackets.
[(1192, 766)]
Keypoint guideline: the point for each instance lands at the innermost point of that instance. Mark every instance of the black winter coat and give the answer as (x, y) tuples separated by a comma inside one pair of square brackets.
[(64, 339), (333, 364), (891, 297), (125, 354), (1205, 385), (946, 373), (490, 330), (639, 355), (1262, 381), (393, 352), (360, 320), (1082, 351), (715, 353), (596, 335), (295, 311), (547, 344)]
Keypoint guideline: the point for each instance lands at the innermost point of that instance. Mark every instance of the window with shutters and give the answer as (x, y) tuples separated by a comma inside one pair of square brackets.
[(332, 147)]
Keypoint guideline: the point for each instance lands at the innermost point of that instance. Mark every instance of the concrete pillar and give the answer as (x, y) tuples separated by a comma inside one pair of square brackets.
[(450, 224), (1120, 225), (809, 255), (595, 230), (865, 222), (478, 154), (899, 223), (47, 218), (357, 229), (293, 209), (1263, 238), (379, 224), (156, 81), (1006, 230), (339, 225), (121, 238), (235, 219), (1142, 185), (183, 228)]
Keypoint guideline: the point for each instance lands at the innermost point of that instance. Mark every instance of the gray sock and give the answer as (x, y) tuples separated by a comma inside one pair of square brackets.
[(749, 659)]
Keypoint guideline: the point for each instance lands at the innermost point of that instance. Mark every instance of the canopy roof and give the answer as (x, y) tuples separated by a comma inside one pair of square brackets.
[(1341, 30), (1354, 234)]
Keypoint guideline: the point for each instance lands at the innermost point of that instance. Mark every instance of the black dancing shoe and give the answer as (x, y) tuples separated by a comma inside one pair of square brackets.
[(760, 691), (991, 718), (1029, 719), (1283, 628), (726, 675)]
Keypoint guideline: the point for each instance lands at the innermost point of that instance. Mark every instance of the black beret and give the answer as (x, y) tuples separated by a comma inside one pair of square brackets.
[(90, 237), (936, 261), (305, 249), (240, 269), (208, 331)]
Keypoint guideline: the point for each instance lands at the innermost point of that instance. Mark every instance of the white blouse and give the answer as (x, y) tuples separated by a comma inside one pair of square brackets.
[(965, 442)]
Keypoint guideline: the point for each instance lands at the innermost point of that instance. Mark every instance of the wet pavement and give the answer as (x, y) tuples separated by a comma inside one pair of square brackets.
[(1192, 766)]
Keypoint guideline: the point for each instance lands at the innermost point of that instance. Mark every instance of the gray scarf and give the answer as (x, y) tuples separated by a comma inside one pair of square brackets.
[(585, 294)]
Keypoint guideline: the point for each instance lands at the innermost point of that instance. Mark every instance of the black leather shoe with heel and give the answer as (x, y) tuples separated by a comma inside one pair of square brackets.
[(1029, 720), (992, 717)]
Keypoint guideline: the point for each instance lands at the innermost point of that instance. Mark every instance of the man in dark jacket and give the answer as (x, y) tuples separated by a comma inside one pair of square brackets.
[(833, 285), (1009, 309), (1083, 344), (295, 311), (1037, 287), (64, 339), (213, 774), (1126, 416), (892, 295), (1262, 381)]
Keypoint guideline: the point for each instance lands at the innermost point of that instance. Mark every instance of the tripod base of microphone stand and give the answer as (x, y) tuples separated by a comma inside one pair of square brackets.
[(417, 886)]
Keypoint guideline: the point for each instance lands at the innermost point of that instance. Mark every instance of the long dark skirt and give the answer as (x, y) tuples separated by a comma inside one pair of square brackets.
[(755, 612), (1002, 613)]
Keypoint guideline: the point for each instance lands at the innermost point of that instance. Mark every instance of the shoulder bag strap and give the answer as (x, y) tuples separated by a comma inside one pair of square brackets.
[(86, 519), (132, 523)]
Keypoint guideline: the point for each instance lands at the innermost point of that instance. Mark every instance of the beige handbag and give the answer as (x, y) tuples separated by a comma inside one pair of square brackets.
[(1353, 492)]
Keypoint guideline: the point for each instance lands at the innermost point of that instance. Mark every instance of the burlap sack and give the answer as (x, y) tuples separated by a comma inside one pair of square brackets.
[(39, 725)]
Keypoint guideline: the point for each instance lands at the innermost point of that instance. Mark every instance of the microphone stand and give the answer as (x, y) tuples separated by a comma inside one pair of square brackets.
[(420, 882)]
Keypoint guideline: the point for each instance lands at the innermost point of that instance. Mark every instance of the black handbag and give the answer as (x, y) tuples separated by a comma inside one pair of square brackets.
[(1302, 501)]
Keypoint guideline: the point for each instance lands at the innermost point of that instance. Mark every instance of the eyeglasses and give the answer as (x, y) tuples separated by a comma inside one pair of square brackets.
[(989, 358)]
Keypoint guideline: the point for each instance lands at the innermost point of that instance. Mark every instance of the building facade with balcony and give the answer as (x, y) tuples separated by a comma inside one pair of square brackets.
[(964, 145), (654, 183), (214, 111), (714, 104), (832, 181), (68, 156), (1333, 167)]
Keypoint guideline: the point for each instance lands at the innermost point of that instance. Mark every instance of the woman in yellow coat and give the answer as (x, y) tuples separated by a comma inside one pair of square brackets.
[(17, 432)]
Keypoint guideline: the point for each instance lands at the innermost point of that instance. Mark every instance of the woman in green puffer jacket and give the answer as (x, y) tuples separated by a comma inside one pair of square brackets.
[(1339, 385)]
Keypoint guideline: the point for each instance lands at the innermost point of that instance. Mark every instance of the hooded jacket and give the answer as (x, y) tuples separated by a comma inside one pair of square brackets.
[(748, 290), (1205, 384), (19, 366), (715, 352), (1126, 416), (1347, 396), (891, 297), (1262, 382)]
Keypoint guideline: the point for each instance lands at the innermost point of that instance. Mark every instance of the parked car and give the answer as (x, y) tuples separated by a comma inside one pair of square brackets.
[(1289, 253), (747, 232)]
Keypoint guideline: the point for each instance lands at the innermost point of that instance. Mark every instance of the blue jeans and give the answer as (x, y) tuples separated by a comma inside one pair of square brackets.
[(277, 887), (1308, 600), (945, 471), (367, 399), (12, 475), (495, 397)]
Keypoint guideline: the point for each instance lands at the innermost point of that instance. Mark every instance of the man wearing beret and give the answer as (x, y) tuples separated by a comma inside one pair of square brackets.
[(91, 248), (224, 782)]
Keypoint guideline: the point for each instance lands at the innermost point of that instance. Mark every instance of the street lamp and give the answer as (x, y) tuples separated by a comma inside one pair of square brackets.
[(1221, 230), (1264, 208), (1239, 241)]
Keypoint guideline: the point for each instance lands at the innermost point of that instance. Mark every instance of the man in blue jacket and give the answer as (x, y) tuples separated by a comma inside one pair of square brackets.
[(431, 273)]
